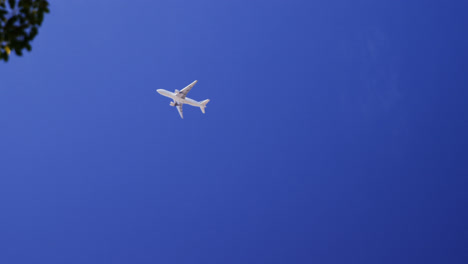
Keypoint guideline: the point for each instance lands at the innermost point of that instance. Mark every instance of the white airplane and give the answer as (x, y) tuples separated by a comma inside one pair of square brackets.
[(180, 98)]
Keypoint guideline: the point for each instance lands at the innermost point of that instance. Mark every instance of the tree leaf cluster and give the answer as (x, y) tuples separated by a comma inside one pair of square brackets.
[(19, 23)]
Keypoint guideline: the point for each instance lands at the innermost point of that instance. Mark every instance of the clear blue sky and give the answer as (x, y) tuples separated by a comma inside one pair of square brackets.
[(337, 132)]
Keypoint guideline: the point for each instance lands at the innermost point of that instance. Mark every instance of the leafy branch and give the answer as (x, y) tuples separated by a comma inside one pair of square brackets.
[(19, 23)]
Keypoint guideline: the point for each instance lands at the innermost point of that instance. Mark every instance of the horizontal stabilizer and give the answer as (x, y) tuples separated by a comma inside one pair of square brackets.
[(203, 105)]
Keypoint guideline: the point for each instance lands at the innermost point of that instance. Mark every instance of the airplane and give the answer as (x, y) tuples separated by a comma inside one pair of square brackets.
[(180, 98)]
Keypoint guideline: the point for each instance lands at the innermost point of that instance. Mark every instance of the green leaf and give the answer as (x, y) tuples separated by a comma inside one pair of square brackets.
[(2, 14), (12, 3), (11, 21), (40, 17), (33, 32), (18, 52), (5, 56)]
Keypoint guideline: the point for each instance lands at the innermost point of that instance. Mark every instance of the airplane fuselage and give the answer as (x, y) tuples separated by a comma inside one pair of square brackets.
[(178, 99)]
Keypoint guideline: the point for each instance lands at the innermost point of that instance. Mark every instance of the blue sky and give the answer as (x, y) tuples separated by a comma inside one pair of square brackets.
[(336, 133)]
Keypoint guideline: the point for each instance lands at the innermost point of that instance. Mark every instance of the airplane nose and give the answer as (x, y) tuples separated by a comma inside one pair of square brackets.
[(159, 90)]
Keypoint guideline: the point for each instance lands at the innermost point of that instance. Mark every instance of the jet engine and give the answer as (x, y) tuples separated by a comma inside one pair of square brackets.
[(172, 104)]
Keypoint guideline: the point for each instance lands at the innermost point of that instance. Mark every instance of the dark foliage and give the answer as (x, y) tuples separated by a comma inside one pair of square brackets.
[(19, 22)]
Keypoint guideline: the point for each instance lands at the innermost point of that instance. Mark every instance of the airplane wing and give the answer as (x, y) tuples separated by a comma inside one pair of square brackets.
[(183, 93), (179, 108)]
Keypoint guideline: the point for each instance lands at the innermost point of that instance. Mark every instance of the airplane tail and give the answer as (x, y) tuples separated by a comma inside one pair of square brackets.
[(203, 105)]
